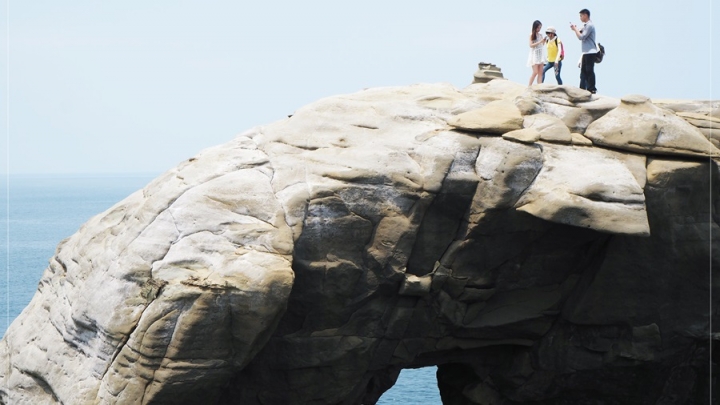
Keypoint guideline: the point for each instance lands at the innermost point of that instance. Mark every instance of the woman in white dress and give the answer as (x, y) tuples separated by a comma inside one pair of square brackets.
[(536, 60)]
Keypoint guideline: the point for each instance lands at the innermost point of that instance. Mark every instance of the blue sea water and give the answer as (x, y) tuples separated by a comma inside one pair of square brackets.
[(413, 387), (38, 211)]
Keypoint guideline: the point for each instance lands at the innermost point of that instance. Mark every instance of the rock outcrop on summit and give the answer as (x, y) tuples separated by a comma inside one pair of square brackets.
[(539, 245)]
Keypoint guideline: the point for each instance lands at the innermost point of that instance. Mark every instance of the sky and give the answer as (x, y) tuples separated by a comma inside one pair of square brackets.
[(110, 87)]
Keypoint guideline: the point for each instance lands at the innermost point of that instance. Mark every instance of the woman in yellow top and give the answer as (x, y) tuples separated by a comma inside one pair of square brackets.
[(555, 54)]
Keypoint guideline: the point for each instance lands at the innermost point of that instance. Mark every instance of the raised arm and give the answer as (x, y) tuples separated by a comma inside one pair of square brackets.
[(534, 44), (584, 33)]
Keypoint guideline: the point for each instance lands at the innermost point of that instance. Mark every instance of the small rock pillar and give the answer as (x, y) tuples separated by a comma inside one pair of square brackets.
[(487, 72)]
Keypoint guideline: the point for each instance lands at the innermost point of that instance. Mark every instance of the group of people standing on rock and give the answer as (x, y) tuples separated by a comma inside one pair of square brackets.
[(540, 64)]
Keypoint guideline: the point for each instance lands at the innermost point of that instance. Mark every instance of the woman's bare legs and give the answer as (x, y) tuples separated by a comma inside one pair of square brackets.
[(536, 74)]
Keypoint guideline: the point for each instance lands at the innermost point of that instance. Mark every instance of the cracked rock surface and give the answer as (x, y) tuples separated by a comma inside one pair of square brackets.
[(539, 245)]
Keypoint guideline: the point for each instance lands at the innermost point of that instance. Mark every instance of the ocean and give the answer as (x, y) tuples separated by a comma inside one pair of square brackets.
[(44, 209)]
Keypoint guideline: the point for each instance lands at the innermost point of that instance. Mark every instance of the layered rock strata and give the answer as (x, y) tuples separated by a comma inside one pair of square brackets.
[(539, 245), (487, 72)]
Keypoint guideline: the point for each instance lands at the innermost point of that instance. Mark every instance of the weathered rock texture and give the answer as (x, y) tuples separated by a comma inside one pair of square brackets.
[(539, 245), (487, 72)]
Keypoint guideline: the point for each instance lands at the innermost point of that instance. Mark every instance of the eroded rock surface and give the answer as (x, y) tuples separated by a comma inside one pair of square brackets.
[(539, 245), (638, 125), (487, 72)]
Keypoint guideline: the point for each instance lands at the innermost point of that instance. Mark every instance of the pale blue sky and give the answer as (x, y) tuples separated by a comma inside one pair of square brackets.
[(138, 86)]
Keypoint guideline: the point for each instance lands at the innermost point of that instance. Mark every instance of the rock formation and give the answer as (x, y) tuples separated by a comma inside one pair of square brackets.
[(487, 72), (538, 245)]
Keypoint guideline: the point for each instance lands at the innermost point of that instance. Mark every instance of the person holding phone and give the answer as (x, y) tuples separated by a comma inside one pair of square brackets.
[(536, 59), (589, 48), (555, 54)]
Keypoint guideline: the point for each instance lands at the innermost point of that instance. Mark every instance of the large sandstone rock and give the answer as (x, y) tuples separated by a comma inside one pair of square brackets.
[(568, 190), (497, 117), (308, 261), (551, 129), (638, 125)]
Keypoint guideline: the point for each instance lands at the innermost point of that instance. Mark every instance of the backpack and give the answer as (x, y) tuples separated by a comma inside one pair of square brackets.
[(561, 48), (601, 53)]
